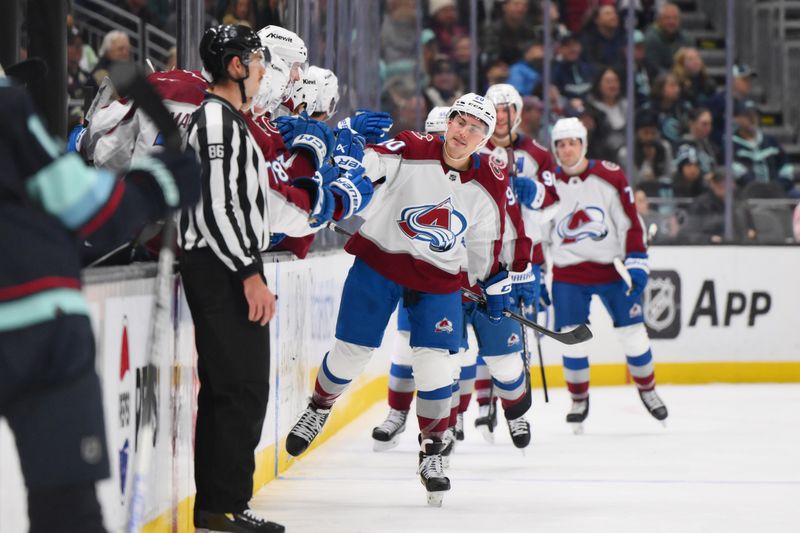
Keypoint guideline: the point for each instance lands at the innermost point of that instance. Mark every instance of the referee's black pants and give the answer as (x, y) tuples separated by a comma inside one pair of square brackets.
[(233, 367)]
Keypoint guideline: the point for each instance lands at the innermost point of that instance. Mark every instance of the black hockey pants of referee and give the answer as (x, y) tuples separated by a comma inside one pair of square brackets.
[(233, 367), (50, 395)]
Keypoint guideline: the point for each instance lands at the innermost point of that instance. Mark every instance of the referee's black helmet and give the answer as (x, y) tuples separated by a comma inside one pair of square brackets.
[(222, 43)]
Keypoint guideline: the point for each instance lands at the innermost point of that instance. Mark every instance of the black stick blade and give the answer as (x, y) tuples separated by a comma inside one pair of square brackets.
[(578, 335)]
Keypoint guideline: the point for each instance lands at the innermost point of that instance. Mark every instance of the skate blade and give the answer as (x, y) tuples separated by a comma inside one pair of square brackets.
[(381, 446), (663, 423), (435, 498), (487, 434), (577, 428)]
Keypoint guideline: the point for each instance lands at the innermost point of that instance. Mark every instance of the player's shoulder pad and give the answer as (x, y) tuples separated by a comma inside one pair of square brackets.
[(610, 172)]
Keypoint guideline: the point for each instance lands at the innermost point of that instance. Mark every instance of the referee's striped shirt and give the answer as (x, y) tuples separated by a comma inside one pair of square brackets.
[(236, 207)]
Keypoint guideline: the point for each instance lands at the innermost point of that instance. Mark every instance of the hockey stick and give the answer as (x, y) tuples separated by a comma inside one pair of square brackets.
[(580, 334), (130, 82)]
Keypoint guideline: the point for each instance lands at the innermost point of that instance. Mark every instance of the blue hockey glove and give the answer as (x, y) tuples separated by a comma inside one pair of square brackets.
[(639, 269), (355, 191), (349, 149), (275, 239), (373, 125), (318, 188), (308, 134), (530, 192), (497, 291), (75, 138)]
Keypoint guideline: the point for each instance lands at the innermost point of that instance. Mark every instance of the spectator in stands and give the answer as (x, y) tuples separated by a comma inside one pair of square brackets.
[(509, 36), (269, 12), (577, 14), (571, 74), (462, 54), (430, 51), (172, 59), (444, 87), (606, 97), (496, 72), (665, 37), (241, 12), (444, 23), (532, 114), (644, 72), (79, 82), (690, 70), (399, 31), (88, 56), (698, 138), (706, 220), (116, 47), (758, 157), (525, 74), (646, 11), (743, 77), (672, 109), (604, 40), (652, 156), (688, 181), (596, 128)]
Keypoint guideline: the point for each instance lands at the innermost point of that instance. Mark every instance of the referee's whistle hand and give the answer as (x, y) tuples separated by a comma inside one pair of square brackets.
[(260, 300)]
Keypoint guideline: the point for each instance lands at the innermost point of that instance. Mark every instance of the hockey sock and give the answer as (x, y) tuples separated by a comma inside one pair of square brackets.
[(433, 412), (483, 382), (401, 387), (576, 374), (339, 366), (454, 402), (466, 384), (642, 370)]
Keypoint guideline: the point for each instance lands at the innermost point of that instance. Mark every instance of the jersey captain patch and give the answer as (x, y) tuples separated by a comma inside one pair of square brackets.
[(439, 225), (582, 223)]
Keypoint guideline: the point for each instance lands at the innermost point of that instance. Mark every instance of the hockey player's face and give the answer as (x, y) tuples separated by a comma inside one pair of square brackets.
[(256, 69), (569, 151), (506, 115), (464, 134)]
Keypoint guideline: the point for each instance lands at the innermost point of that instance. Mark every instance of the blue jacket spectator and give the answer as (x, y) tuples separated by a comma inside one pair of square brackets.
[(758, 157), (572, 75), (603, 43)]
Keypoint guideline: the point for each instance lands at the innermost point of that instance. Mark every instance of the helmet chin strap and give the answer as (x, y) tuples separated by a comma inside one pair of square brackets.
[(456, 159)]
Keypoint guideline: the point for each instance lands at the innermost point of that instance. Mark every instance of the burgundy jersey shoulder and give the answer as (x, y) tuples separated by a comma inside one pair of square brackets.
[(536, 151), (411, 145), (492, 174), (183, 86), (610, 172)]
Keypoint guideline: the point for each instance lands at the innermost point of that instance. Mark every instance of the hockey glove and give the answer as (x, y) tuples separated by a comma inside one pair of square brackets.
[(497, 291), (349, 149), (373, 125), (308, 134), (319, 193), (638, 267), (354, 190), (171, 177), (530, 192), (75, 138)]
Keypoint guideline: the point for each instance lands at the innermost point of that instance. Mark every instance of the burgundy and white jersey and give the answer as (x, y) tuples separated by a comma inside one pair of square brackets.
[(596, 221), (427, 222), (120, 132)]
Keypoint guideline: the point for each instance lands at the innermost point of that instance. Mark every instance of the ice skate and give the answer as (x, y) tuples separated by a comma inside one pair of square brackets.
[(577, 414), (431, 471), (487, 421), (654, 405), (449, 440), (460, 426), (387, 435), (520, 430), (306, 429)]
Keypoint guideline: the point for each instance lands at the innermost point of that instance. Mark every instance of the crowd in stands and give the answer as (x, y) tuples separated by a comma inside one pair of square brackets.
[(678, 108)]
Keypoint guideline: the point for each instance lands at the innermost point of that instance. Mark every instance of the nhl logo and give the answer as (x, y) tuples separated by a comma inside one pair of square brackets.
[(453, 175), (662, 309)]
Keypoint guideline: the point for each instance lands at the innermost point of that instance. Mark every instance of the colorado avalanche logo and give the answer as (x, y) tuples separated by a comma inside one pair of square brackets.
[(512, 340), (438, 225), (443, 326), (582, 223)]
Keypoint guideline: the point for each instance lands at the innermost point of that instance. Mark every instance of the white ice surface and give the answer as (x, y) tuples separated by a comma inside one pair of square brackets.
[(728, 462)]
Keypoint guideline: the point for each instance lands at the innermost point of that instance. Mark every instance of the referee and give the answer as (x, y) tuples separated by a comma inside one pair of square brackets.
[(222, 239)]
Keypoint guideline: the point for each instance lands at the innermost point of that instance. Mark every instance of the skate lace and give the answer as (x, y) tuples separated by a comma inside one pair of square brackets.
[(309, 425), (394, 420), (578, 407), (652, 400), (518, 426), (253, 518), (432, 466)]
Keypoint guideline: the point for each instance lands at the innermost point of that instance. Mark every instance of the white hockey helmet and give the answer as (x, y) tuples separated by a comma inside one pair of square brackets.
[(276, 86), (287, 45), (479, 107), (568, 128), (327, 90), (305, 92), (504, 93), (436, 123)]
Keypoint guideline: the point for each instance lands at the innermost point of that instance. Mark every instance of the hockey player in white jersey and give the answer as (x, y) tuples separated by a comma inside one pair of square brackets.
[(597, 222), (429, 203)]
